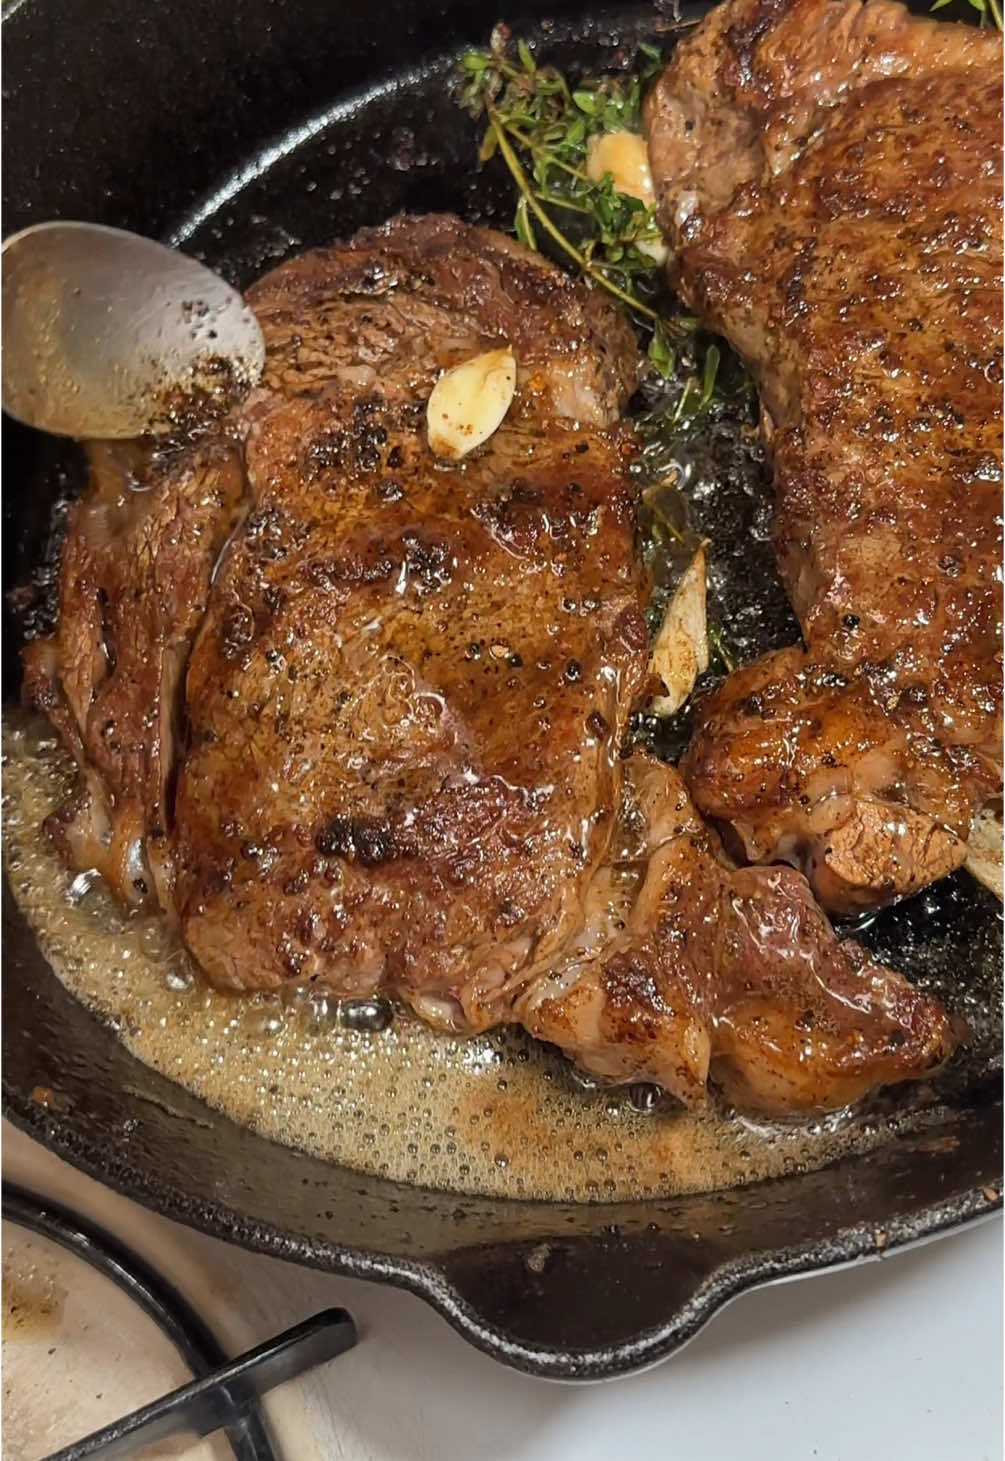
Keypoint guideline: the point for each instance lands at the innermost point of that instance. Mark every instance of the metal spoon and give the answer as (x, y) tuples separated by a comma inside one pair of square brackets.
[(105, 333)]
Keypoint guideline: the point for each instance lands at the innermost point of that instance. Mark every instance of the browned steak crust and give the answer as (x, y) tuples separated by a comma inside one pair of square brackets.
[(830, 176)]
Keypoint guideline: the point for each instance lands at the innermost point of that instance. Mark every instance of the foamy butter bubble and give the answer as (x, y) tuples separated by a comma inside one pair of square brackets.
[(496, 1115)]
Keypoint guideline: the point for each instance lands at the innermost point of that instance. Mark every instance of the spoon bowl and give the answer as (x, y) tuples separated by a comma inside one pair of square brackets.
[(109, 335)]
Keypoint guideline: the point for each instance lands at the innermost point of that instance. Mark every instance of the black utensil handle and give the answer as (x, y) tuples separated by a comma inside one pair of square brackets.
[(221, 1398), (155, 1295)]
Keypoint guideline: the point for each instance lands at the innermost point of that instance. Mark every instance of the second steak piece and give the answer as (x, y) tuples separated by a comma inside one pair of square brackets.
[(829, 174)]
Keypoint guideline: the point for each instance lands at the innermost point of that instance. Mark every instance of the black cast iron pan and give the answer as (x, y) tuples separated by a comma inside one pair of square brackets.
[(243, 131)]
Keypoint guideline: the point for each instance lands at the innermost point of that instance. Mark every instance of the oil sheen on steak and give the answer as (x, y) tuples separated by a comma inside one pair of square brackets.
[(829, 175), (376, 742)]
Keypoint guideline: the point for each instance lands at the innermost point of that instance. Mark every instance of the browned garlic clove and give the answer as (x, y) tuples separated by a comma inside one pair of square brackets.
[(625, 156), (985, 855), (680, 653)]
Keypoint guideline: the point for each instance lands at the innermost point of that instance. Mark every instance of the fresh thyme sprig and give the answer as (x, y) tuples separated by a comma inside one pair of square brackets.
[(539, 124), (541, 128)]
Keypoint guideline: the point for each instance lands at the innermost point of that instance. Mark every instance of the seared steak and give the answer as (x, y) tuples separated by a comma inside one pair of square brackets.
[(134, 580), (830, 177), (396, 762)]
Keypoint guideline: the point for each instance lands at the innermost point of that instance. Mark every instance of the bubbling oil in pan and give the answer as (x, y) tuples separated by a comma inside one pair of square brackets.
[(496, 1115)]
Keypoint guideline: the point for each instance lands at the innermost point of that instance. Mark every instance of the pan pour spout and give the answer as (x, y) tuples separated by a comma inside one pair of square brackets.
[(370, 738)]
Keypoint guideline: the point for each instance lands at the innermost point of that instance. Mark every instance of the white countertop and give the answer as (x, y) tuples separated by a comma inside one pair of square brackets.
[(896, 1360)]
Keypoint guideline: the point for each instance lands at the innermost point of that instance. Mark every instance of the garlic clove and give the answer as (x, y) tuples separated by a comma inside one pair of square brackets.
[(680, 653), (985, 854), (625, 156), (653, 248), (468, 403)]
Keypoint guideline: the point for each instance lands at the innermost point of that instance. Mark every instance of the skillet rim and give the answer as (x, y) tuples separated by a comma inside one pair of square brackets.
[(430, 1280)]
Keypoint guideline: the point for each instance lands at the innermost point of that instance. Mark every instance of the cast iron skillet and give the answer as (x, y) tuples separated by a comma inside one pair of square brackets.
[(246, 130)]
